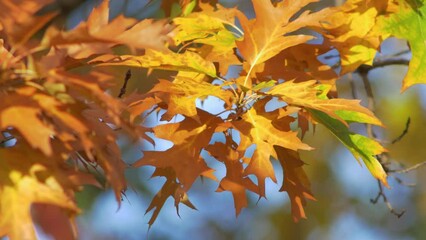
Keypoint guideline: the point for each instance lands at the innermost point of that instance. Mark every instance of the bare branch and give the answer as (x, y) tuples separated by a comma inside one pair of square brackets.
[(400, 181), (382, 63), (407, 125), (6, 139), (382, 158), (371, 105), (353, 88), (385, 200), (126, 79), (406, 170)]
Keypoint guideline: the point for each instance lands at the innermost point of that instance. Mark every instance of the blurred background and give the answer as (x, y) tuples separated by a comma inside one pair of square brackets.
[(342, 187)]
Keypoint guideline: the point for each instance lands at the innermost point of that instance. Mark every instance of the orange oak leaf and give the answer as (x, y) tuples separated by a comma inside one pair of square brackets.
[(48, 121), (106, 151), (54, 221), (257, 127), (77, 124), (20, 111), (225, 152), (299, 63), (90, 87), (121, 30), (170, 189), (138, 104), (20, 21), (189, 138), (237, 183), (268, 34), (295, 181), (235, 180)]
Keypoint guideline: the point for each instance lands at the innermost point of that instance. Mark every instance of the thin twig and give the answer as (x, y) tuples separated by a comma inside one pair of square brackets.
[(224, 111), (331, 56), (400, 181), (353, 87), (382, 158), (401, 53), (228, 84), (407, 125), (389, 62), (6, 139), (370, 97), (406, 170), (126, 79), (385, 200)]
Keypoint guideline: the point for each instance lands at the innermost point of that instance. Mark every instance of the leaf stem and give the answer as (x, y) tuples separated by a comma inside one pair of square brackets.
[(230, 85)]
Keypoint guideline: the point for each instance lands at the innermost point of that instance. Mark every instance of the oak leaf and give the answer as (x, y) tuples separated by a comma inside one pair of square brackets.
[(360, 146), (24, 114), (19, 20), (121, 30), (209, 28), (305, 94), (257, 127), (349, 31), (295, 181), (235, 180), (407, 22), (189, 138), (180, 96), (299, 63), (167, 60), (170, 188), (26, 177), (270, 32)]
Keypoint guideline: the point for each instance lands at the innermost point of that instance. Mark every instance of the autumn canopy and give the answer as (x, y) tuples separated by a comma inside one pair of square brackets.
[(61, 115)]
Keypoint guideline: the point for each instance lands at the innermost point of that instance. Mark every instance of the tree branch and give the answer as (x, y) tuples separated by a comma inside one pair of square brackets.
[(6, 139), (126, 79), (406, 170), (385, 200), (382, 158), (407, 125), (382, 63)]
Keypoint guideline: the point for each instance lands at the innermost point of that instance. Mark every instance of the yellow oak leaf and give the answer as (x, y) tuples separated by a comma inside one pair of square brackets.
[(209, 28), (305, 94), (167, 60), (180, 95), (26, 177), (350, 30)]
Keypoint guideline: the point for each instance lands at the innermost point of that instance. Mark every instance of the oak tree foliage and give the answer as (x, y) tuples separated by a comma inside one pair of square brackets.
[(60, 122)]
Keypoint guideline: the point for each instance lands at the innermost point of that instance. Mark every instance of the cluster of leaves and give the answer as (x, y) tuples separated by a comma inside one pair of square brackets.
[(54, 97)]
